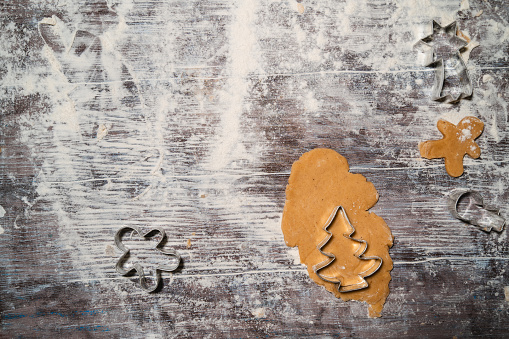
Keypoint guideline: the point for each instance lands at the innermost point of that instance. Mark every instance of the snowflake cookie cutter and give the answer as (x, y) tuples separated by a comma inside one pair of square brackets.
[(426, 46), (476, 213), (137, 267), (331, 257)]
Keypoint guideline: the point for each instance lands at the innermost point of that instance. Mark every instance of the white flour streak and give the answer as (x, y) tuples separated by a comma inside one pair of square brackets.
[(448, 258), (242, 59), (302, 269), (2, 213)]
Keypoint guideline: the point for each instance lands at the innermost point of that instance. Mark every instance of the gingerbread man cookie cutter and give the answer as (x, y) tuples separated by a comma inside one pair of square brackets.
[(331, 257), (138, 268), (476, 213)]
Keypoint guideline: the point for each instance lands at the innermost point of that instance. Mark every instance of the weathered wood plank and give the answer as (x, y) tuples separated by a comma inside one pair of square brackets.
[(189, 115)]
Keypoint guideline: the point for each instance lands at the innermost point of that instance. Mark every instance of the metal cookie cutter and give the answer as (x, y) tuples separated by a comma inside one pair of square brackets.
[(485, 217), (358, 253), (427, 45), (137, 267)]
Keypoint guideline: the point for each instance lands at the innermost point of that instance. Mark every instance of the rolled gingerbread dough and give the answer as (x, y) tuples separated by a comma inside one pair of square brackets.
[(319, 181)]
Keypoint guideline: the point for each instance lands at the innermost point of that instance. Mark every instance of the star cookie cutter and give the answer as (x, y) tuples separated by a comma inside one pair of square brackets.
[(426, 46), (137, 267), (476, 213), (331, 257)]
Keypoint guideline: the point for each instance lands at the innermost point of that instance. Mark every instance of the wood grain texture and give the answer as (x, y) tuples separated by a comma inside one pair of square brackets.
[(188, 115)]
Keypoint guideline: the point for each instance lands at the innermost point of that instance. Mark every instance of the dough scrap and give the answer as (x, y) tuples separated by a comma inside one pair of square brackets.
[(458, 140), (319, 181)]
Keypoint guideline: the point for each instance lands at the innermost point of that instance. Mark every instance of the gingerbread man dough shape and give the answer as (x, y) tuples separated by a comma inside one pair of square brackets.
[(458, 140)]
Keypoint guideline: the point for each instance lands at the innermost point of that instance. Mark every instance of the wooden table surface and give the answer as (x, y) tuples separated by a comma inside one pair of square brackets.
[(188, 115)]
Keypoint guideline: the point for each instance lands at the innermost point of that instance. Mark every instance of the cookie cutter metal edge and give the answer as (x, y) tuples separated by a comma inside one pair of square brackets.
[(460, 67), (359, 254), (137, 267), (489, 220)]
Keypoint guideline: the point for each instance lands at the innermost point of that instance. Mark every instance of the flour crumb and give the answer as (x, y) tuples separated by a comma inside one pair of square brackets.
[(479, 13), (464, 5), (258, 312), (48, 21), (110, 251), (102, 131), (487, 78), (301, 8)]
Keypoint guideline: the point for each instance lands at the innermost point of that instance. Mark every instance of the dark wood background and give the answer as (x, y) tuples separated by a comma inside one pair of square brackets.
[(206, 105)]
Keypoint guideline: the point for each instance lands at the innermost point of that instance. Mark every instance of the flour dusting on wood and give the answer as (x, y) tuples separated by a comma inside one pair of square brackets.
[(188, 116)]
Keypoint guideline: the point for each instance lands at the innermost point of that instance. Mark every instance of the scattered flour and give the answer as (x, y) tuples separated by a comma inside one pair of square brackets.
[(310, 102), (487, 78), (293, 252), (453, 117), (2, 213), (102, 131), (259, 312), (468, 49), (242, 61), (466, 134)]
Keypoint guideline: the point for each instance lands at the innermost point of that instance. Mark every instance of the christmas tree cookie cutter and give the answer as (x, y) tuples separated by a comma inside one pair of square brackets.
[(476, 213), (138, 268), (363, 245), (432, 59)]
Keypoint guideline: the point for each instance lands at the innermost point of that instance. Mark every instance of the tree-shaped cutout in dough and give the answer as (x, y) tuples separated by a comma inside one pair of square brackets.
[(349, 267), (319, 181)]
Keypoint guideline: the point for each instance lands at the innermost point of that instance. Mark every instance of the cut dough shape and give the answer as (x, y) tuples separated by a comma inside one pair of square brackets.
[(458, 140), (320, 180)]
